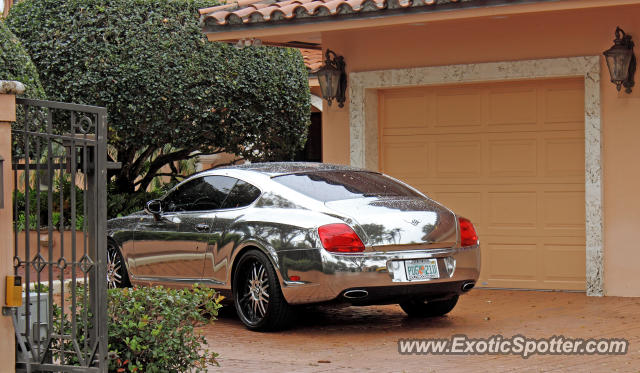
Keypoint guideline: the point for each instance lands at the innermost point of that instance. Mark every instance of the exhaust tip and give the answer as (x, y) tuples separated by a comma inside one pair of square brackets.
[(468, 286), (356, 294)]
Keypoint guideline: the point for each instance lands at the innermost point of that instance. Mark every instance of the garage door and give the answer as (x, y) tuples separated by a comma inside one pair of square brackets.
[(510, 157)]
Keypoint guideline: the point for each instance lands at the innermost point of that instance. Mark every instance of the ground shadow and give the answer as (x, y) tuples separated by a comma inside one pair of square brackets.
[(348, 319)]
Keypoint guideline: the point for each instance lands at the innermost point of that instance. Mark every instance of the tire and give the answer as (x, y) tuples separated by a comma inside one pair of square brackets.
[(117, 275), (257, 295), (422, 308)]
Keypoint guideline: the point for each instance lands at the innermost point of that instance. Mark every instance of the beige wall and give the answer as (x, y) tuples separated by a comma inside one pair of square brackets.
[(7, 113), (521, 37)]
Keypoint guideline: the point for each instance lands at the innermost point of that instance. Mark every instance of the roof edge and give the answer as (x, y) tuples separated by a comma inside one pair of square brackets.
[(390, 17)]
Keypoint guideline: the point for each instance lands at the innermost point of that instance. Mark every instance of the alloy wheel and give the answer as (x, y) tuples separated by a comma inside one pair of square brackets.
[(257, 295), (254, 295), (114, 269)]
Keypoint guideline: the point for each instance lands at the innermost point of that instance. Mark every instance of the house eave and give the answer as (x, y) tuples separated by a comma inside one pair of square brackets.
[(390, 17)]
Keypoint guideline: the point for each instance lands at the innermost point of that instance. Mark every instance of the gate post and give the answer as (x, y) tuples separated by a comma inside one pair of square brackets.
[(97, 230), (8, 92)]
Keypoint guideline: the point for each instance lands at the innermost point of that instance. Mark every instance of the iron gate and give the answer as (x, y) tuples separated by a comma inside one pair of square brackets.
[(59, 163)]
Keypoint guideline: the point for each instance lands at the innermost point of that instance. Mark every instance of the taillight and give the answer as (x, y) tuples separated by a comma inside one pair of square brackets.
[(340, 238), (468, 235)]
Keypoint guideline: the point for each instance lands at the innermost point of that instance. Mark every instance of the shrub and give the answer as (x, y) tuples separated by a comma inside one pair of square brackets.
[(64, 186), (152, 329)]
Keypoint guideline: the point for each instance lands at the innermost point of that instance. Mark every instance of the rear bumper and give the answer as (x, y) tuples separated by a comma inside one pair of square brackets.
[(324, 276)]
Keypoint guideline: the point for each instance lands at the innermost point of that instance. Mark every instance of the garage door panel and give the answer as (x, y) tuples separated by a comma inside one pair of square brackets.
[(564, 210), (564, 157), (514, 157), (406, 159), (458, 108), (564, 262), (510, 260), (405, 110), (512, 106), (510, 210), (564, 105), (510, 157), (458, 159)]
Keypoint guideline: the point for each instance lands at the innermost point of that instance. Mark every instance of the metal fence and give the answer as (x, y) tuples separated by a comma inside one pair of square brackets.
[(59, 174)]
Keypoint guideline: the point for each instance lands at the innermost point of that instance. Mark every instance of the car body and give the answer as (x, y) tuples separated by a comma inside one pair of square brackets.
[(313, 233)]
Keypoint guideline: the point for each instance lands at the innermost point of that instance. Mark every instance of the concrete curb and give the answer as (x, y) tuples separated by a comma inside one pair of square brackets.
[(57, 286)]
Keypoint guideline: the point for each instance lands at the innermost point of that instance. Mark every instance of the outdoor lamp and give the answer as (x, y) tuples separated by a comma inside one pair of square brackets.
[(333, 78), (621, 61)]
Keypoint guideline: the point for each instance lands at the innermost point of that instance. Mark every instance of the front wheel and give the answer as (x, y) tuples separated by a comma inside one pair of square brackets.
[(423, 308), (257, 295), (117, 276)]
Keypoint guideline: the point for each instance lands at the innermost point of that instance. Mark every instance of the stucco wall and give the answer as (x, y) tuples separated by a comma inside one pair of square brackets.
[(521, 37)]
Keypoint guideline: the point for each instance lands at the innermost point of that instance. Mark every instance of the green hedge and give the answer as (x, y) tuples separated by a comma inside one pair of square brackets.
[(15, 63)]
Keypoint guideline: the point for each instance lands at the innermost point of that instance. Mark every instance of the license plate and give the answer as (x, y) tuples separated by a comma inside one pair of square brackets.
[(421, 269)]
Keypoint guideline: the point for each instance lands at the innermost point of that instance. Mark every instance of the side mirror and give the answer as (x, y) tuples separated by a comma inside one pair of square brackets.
[(154, 207)]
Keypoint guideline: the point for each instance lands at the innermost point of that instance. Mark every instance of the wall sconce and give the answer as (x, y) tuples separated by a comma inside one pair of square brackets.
[(333, 78), (621, 61)]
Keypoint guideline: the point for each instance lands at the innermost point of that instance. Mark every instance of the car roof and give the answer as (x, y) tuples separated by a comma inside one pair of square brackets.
[(282, 168)]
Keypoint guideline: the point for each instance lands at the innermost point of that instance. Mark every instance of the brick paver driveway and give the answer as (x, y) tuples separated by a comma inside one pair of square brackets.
[(364, 339)]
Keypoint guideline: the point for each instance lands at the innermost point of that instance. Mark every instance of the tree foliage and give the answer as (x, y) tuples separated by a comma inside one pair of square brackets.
[(15, 63), (168, 91)]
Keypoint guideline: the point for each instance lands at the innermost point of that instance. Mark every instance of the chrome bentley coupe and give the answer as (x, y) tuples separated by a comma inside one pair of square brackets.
[(277, 235)]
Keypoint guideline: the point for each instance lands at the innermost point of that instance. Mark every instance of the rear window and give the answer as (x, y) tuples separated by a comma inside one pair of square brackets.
[(243, 194), (329, 186)]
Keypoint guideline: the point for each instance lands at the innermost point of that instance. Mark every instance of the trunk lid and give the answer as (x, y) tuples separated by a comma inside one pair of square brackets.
[(404, 223)]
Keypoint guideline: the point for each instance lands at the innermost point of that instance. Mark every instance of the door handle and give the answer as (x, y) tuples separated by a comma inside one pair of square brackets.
[(202, 227)]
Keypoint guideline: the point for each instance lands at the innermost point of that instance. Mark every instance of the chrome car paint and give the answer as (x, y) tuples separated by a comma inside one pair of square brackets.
[(340, 272), (283, 224), (390, 223), (171, 246)]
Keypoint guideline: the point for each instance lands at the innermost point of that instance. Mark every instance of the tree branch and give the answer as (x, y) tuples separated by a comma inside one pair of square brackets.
[(139, 163), (160, 161), (172, 166), (163, 174), (232, 163)]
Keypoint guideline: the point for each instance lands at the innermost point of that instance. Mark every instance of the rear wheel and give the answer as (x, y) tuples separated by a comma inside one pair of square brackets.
[(117, 276), (257, 295), (424, 308)]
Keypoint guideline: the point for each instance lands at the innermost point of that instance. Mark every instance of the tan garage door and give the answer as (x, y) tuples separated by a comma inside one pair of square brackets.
[(510, 157)]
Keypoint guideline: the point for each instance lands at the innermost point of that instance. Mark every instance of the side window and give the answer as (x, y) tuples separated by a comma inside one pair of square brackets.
[(203, 193), (183, 196), (242, 194)]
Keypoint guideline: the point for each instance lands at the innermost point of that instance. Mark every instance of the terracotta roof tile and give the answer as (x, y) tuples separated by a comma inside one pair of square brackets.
[(220, 16), (313, 59), (289, 10), (256, 11), (243, 13), (268, 12), (259, 6), (234, 19)]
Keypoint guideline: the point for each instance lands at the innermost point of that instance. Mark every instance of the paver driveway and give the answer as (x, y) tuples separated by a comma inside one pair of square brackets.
[(364, 339)]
